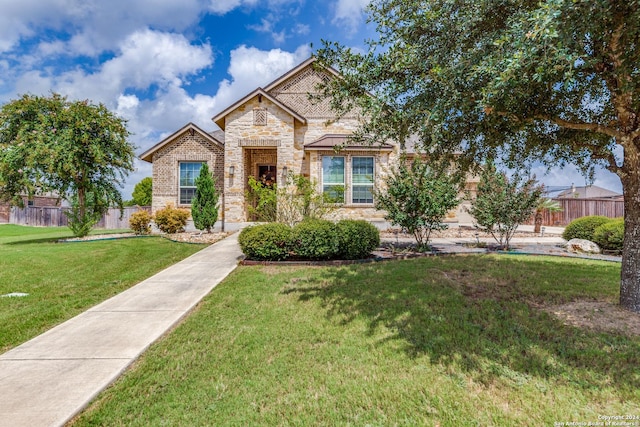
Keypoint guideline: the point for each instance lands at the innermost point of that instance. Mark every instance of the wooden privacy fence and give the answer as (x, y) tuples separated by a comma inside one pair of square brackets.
[(577, 208), (55, 216)]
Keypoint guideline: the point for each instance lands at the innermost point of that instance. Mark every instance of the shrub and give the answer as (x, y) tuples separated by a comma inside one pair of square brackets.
[(316, 239), (270, 241), (610, 235), (502, 203), (171, 220), (357, 238), (417, 197), (583, 228), (262, 200), (204, 206), (140, 222)]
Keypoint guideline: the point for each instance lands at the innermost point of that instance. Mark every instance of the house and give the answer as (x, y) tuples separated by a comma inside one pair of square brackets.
[(271, 132), (589, 192)]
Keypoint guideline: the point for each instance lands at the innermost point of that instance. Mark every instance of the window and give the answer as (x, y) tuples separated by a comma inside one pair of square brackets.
[(189, 171), (362, 180), (333, 178)]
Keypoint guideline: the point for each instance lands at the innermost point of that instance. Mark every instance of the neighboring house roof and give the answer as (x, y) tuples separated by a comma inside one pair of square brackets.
[(588, 192), (219, 118), (216, 137), (343, 142)]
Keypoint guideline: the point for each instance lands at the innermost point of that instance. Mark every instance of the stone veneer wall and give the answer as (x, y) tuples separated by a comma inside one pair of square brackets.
[(185, 148), (241, 134)]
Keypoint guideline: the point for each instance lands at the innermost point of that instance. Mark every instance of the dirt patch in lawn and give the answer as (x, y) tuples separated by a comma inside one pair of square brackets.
[(597, 315)]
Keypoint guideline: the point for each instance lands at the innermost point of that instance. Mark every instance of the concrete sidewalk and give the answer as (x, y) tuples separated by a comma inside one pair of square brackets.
[(48, 380)]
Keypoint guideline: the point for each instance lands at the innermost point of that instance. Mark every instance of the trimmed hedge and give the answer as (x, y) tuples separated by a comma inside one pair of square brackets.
[(357, 238), (316, 239), (583, 228), (610, 235), (266, 242)]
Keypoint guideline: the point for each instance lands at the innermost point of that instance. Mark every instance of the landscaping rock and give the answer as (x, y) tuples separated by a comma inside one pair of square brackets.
[(582, 246)]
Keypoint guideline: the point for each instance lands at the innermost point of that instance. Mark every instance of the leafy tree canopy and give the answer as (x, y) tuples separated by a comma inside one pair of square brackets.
[(142, 192), (555, 81), (74, 148)]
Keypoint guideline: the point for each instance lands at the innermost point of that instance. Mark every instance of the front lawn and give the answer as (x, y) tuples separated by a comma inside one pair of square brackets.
[(446, 341), (65, 279)]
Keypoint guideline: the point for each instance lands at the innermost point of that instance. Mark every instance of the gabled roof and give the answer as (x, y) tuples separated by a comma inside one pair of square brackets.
[(219, 118), (296, 70), (344, 143), (213, 137)]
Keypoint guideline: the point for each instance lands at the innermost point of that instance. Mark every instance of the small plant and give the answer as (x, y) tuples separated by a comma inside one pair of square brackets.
[(83, 215), (583, 228), (610, 235), (171, 220), (262, 200), (140, 222), (270, 241), (357, 238), (316, 239), (544, 205), (298, 201)]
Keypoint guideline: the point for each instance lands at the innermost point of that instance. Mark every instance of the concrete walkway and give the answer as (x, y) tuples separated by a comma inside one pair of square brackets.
[(48, 380)]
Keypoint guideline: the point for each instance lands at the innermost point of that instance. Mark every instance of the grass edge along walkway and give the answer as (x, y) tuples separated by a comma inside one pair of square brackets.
[(49, 379)]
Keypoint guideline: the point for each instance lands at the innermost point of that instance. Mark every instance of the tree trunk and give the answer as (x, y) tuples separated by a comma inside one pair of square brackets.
[(537, 222), (630, 274)]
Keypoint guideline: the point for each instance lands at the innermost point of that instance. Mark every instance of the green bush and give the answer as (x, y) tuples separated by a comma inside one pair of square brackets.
[(140, 222), (583, 228), (610, 235), (270, 241), (171, 220), (357, 238), (316, 239)]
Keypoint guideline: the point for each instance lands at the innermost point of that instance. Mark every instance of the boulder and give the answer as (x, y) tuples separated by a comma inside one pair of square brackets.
[(582, 246)]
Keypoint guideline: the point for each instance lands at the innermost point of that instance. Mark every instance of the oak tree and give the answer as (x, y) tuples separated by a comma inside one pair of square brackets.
[(76, 149), (556, 81)]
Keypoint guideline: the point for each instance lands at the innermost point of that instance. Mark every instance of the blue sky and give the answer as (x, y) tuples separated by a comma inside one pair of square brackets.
[(163, 63)]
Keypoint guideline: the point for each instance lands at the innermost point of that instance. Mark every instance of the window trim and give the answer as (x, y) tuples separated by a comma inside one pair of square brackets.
[(370, 185), (180, 186), (348, 178)]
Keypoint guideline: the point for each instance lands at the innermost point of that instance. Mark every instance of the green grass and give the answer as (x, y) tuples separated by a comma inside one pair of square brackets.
[(444, 341), (65, 279)]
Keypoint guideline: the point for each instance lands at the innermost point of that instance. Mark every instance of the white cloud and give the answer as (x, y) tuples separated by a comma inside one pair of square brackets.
[(93, 26), (146, 58), (251, 68), (223, 6), (349, 12)]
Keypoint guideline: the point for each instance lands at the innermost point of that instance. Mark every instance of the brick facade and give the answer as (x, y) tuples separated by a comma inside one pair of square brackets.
[(189, 145)]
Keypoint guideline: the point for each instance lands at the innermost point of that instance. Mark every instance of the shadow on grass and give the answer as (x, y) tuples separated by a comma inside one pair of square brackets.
[(36, 241), (479, 314)]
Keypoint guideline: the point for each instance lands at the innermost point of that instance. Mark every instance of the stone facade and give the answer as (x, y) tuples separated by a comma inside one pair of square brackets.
[(276, 128)]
